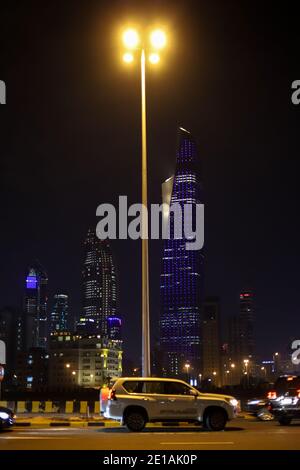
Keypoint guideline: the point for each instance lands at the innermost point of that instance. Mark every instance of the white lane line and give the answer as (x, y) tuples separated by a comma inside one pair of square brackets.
[(197, 443)]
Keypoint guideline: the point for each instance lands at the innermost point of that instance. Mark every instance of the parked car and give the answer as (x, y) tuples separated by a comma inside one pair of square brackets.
[(134, 401), (7, 418)]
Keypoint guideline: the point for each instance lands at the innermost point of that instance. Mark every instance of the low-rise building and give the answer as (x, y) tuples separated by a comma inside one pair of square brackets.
[(82, 361)]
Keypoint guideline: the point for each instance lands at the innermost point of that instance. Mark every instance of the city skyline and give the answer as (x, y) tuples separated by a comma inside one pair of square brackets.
[(149, 239), (243, 140)]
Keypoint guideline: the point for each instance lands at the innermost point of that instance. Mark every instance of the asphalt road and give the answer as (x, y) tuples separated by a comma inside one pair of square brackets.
[(241, 434)]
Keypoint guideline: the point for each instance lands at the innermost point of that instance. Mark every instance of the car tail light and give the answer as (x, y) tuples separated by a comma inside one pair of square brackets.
[(272, 395), (298, 393), (112, 395)]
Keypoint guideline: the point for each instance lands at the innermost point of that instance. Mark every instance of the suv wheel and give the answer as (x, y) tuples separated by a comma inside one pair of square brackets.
[(215, 420), (284, 421), (135, 421)]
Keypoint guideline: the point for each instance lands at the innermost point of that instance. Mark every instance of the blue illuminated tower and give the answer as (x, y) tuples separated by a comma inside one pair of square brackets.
[(182, 273), (35, 307)]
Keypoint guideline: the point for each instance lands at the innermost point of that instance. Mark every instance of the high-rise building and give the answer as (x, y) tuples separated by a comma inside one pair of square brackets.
[(59, 314), (35, 307), (11, 332), (211, 347), (241, 334), (247, 323), (99, 282), (182, 271)]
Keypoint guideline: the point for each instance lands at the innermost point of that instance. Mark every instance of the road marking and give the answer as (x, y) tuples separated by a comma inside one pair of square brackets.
[(197, 443)]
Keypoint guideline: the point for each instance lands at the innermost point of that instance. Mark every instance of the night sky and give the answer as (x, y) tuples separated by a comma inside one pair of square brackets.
[(69, 141)]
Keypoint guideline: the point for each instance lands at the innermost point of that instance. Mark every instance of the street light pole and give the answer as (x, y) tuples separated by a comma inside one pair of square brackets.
[(146, 370), (131, 40)]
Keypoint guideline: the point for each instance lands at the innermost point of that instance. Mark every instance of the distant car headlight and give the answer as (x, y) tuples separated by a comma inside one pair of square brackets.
[(4, 415), (233, 402)]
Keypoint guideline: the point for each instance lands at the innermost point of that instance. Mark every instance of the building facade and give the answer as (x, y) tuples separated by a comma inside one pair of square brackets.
[(87, 362), (59, 320), (182, 270), (247, 345), (241, 335), (11, 332), (211, 347), (35, 307), (32, 370), (99, 282)]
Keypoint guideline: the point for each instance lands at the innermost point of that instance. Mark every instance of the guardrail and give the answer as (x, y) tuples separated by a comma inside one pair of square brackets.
[(67, 407)]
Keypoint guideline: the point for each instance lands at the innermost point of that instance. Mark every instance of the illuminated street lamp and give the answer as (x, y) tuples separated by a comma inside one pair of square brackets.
[(187, 368), (131, 38), (68, 366), (133, 42), (158, 39), (128, 57), (246, 362)]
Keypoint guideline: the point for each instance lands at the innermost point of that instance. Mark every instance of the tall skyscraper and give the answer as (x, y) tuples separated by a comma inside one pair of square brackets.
[(182, 271), (99, 282), (59, 314), (241, 333), (211, 347), (35, 307), (247, 323)]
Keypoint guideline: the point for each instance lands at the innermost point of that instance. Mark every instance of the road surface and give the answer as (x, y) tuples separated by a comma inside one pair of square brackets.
[(241, 434)]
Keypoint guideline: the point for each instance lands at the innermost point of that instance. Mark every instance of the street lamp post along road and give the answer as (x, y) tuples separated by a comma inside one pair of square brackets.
[(144, 221), (131, 41)]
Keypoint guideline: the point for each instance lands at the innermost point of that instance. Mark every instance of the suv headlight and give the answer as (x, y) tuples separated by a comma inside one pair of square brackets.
[(4, 415), (233, 402)]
